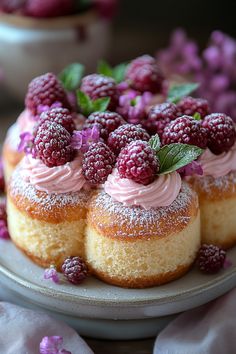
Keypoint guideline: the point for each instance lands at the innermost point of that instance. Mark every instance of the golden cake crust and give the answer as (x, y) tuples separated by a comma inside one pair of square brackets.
[(142, 282), (113, 220)]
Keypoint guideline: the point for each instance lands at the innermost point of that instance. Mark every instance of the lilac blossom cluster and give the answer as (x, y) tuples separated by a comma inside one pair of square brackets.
[(213, 68)]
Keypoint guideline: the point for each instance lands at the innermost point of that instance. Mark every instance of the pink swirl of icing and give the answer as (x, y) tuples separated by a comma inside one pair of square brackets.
[(162, 192), (218, 165), (60, 179)]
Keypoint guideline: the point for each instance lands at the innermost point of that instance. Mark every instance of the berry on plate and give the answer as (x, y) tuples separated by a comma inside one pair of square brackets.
[(75, 270), (211, 258)]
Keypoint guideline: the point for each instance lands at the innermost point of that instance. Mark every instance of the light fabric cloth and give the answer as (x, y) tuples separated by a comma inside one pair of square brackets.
[(22, 330), (209, 329)]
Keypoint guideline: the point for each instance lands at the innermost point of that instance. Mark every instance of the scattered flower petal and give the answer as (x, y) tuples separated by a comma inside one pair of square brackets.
[(51, 273), (82, 139), (43, 108), (26, 142), (227, 263), (193, 168), (4, 234), (52, 345)]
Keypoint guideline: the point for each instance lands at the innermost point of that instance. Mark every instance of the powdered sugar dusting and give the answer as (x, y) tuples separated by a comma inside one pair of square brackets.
[(21, 189), (221, 184), (136, 221)]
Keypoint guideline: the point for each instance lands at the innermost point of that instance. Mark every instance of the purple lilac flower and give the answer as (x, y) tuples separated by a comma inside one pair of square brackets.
[(51, 273), (132, 105), (181, 57), (82, 139), (26, 142), (193, 168), (52, 345), (44, 108), (4, 234)]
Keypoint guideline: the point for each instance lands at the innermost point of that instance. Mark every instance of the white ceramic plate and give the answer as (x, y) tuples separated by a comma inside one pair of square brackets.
[(96, 301)]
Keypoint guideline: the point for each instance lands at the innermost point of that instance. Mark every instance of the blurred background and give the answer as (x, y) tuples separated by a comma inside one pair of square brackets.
[(30, 45)]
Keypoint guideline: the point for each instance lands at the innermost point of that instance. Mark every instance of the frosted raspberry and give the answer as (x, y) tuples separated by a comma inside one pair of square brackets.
[(61, 116), (189, 106), (107, 122), (98, 86), (185, 130), (49, 8), (159, 116), (98, 163), (52, 144), (220, 132), (138, 161), (143, 74), (124, 135), (211, 258), (45, 90), (75, 270)]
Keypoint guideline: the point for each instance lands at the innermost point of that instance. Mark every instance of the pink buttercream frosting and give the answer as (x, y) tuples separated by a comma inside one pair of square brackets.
[(162, 192), (60, 179), (218, 165)]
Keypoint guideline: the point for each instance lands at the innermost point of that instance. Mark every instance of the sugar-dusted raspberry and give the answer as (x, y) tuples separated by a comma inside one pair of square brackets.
[(49, 8), (75, 270), (210, 258), (52, 144), (190, 105), (143, 74), (138, 161), (220, 132), (124, 135), (106, 121), (45, 90), (61, 116), (185, 130), (98, 163), (159, 116), (98, 86)]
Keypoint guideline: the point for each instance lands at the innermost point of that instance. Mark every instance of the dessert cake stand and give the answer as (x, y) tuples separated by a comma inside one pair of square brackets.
[(100, 310)]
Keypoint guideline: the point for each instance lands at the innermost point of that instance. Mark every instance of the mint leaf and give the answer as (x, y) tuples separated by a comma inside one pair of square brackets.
[(88, 106), (85, 103), (71, 76), (155, 142), (101, 104), (104, 68), (177, 92), (197, 116), (174, 156), (119, 72)]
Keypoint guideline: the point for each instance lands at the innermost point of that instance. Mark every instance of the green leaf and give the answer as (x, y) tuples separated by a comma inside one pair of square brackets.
[(101, 104), (71, 76), (197, 116), (177, 92), (155, 142), (104, 68), (84, 102), (174, 156), (119, 72)]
